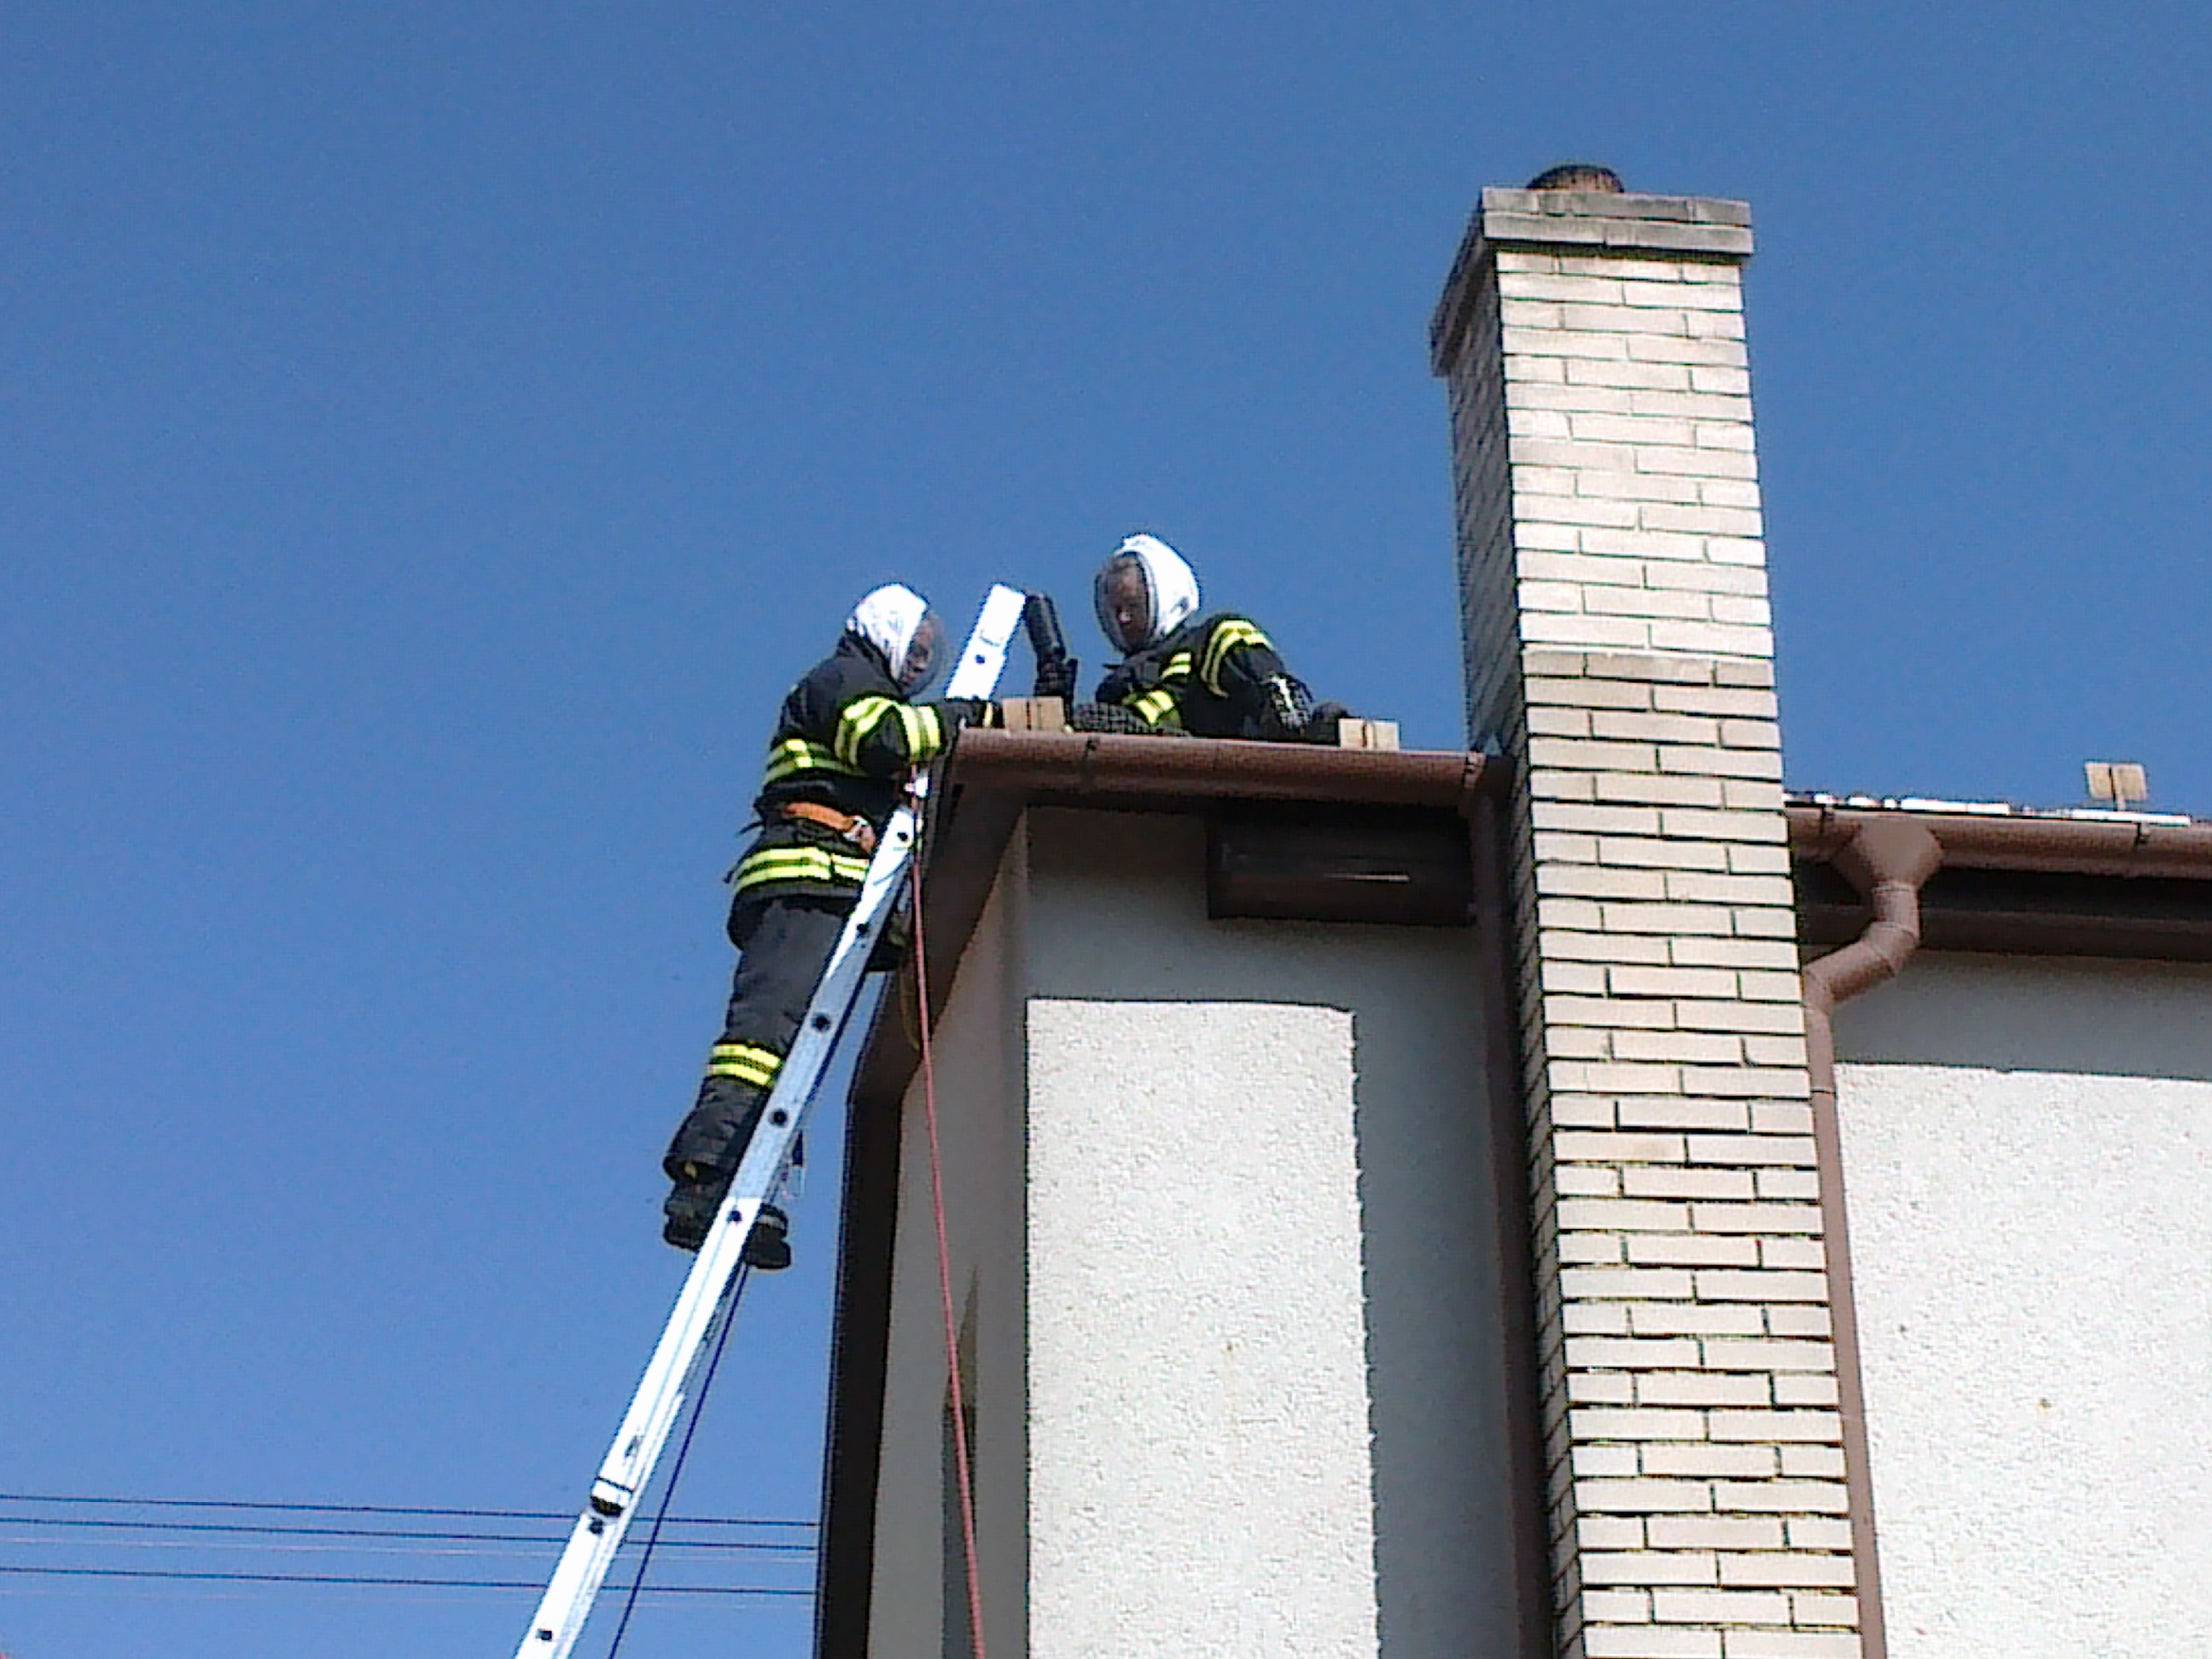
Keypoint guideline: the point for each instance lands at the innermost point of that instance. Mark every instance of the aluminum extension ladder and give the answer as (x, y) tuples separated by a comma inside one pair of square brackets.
[(658, 1402)]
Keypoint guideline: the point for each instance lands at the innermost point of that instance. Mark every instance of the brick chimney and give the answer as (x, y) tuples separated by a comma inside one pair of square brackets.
[(1613, 588)]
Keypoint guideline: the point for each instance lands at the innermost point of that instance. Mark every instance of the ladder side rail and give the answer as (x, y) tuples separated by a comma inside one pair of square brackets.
[(658, 1400)]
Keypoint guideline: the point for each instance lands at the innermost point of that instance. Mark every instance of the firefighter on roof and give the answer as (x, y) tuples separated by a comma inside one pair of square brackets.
[(1215, 676), (850, 732)]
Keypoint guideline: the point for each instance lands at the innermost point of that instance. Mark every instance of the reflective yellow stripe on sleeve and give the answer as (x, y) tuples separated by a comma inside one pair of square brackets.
[(1231, 633), (814, 864), (792, 756), (923, 731), (857, 723), (746, 1061), (932, 742), (1153, 707), (1178, 667)]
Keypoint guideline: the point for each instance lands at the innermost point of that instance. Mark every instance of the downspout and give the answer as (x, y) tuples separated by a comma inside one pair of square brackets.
[(1887, 861)]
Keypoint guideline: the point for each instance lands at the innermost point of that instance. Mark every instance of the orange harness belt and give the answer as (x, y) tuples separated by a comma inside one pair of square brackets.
[(858, 830)]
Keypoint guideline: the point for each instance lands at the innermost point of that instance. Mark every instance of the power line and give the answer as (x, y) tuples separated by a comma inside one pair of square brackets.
[(360, 1579), (266, 1506), (267, 1529), (684, 1451)]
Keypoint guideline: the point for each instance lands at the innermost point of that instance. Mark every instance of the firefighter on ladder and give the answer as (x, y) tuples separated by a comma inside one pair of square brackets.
[(850, 732), (1215, 676)]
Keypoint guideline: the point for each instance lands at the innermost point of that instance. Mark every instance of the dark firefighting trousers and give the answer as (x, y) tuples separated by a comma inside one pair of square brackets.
[(785, 943)]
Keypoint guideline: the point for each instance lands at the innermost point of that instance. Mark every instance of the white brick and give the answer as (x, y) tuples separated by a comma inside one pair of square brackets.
[(1610, 821), (1728, 1354), (1554, 628), (1675, 1112), (1694, 824), (1659, 547), (1792, 1569), (1638, 1425), (1782, 1019), (1812, 1533), (1658, 1567), (1621, 320), (1672, 1460), (1655, 381), (1645, 1496), (1613, 1215), (1725, 1284), (1691, 1249), (1656, 1180), (1792, 1645), (1716, 700), (1717, 639), (1717, 1319), (1587, 694), (1627, 1283), (1647, 1641), (1813, 1462), (1656, 602), (1657, 728), (1618, 1148), (1757, 1218), (1602, 570), (1593, 881), (1782, 1496), (1735, 953), (1825, 1428), (1717, 982), (1701, 1388), (1563, 343), (1708, 1048), (1721, 1607), (1628, 1354), (1597, 290)]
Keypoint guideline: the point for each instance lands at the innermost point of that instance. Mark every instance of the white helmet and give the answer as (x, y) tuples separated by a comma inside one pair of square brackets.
[(1144, 593), (899, 624)]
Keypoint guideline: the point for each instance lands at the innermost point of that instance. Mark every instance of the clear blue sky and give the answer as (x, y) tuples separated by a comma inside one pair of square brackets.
[(434, 436)]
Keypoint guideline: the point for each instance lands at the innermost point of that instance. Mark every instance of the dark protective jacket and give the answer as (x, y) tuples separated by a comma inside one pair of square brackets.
[(845, 739), (1210, 677)]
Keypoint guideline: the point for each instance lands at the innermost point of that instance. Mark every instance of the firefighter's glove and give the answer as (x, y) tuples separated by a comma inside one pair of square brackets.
[(1286, 711), (1321, 723), (972, 711)]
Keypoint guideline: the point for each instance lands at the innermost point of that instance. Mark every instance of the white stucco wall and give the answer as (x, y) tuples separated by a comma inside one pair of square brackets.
[(1198, 1469), (979, 1065), (2027, 1151), (1239, 1265)]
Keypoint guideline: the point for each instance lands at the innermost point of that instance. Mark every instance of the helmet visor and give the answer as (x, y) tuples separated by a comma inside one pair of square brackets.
[(926, 658), (1127, 610)]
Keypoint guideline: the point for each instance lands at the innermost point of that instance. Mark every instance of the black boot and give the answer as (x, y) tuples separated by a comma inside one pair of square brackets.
[(768, 1248), (692, 1204), (696, 1198)]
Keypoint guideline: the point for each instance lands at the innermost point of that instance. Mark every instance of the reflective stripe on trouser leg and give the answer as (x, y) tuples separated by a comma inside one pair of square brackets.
[(786, 944), (747, 1062)]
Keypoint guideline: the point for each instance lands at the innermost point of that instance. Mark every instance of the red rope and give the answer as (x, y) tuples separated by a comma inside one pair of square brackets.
[(944, 1272)]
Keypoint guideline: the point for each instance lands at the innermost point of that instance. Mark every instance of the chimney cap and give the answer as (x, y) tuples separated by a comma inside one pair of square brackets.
[(1579, 175)]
